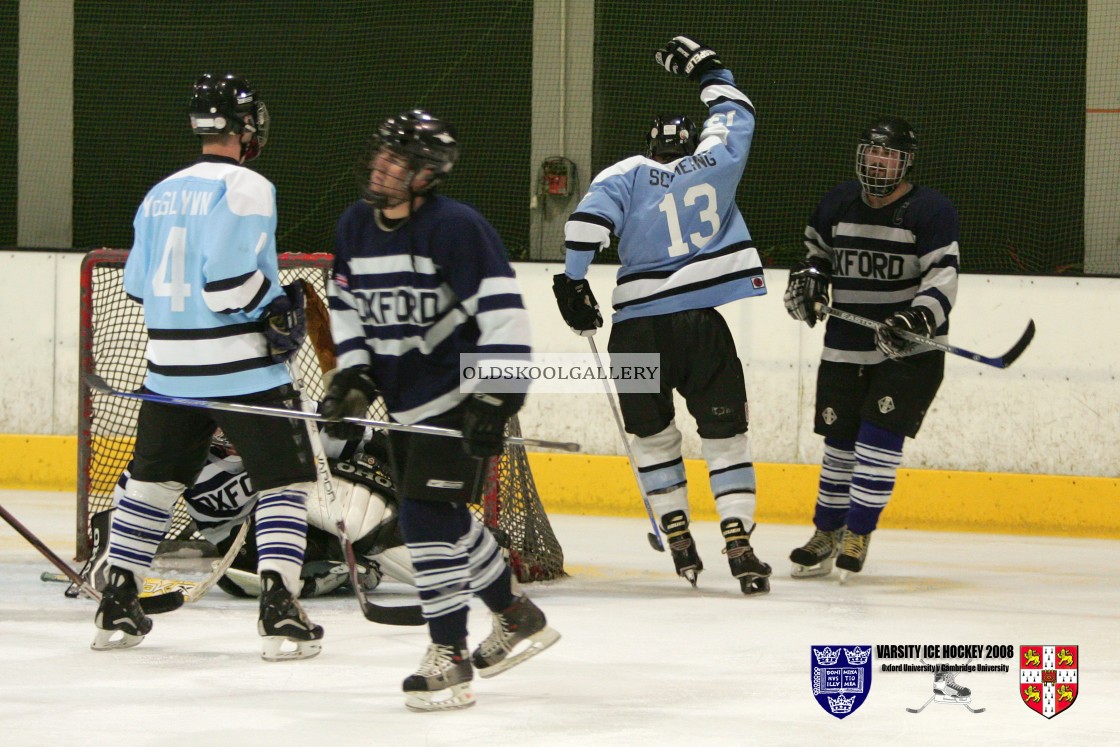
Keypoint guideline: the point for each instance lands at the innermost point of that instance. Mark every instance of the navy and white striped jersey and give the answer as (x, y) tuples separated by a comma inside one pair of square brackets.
[(884, 260), (203, 263), (409, 301), (683, 243)]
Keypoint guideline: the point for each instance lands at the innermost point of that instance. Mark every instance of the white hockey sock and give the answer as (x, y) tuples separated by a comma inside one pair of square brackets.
[(140, 523), (661, 470), (732, 476), (281, 515)]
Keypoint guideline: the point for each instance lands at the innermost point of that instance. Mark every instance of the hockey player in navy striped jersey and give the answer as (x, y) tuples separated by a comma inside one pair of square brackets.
[(204, 266), (685, 249), (420, 279), (889, 250)]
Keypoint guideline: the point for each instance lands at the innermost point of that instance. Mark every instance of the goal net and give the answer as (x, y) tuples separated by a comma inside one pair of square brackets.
[(112, 344)]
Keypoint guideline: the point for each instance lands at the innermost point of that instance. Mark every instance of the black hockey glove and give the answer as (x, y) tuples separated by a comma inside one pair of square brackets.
[(686, 56), (916, 319), (577, 304), (484, 422), (808, 285), (285, 324), (349, 394)]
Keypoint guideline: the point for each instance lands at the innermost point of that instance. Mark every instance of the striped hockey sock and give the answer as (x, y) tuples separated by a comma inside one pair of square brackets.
[(281, 515), (140, 523), (835, 483), (878, 455)]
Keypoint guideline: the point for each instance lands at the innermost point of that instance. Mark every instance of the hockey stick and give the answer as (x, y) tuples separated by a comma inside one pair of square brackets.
[(151, 605), (1002, 361), (98, 384), (320, 336), (654, 536)]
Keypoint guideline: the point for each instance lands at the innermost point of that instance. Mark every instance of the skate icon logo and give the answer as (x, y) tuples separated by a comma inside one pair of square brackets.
[(1048, 678), (841, 677)]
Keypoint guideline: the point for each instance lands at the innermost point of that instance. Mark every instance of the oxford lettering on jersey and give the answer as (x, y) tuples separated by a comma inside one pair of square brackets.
[(226, 499), (180, 202), (659, 177), (398, 306), (858, 263)]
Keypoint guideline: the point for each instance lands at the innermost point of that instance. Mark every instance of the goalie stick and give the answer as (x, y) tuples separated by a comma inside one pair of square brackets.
[(98, 384), (151, 605), (1002, 361), (654, 536)]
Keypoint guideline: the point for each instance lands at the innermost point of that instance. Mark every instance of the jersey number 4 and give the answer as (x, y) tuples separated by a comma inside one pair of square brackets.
[(173, 263), (709, 213)]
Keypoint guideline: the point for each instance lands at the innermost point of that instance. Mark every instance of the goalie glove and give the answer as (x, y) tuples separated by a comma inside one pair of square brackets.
[(577, 305), (285, 324), (808, 285), (916, 319), (686, 56), (350, 391)]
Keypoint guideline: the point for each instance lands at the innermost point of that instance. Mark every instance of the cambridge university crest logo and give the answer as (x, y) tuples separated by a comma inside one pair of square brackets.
[(1048, 678)]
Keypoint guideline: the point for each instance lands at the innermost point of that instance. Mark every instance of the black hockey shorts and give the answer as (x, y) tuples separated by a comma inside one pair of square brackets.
[(172, 441), (893, 395), (698, 359), (435, 468)]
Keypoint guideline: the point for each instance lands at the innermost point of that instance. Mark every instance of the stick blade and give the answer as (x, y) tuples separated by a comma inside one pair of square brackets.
[(1017, 349)]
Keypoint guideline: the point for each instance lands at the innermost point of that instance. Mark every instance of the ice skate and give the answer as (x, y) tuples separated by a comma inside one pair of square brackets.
[(853, 554), (815, 557), (520, 631), (682, 546), (947, 691), (119, 613), (286, 633), (753, 574), (442, 682)]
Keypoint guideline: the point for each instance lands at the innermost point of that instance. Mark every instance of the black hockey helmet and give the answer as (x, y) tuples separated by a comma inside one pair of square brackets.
[(425, 141), (896, 138), (671, 137), (221, 104)]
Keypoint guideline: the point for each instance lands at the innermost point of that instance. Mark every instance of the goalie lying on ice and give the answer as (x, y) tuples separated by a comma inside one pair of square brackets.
[(222, 499)]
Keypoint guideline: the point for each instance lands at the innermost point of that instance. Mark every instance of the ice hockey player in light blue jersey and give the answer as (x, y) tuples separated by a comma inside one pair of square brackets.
[(685, 249), (204, 266)]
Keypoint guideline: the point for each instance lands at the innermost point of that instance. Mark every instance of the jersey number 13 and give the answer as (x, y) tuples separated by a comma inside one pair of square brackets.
[(709, 213)]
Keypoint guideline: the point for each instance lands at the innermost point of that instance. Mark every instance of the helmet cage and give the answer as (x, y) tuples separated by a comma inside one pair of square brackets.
[(425, 144), (880, 169)]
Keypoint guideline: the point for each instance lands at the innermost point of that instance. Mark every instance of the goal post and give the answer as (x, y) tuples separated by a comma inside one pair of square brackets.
[(112, 342)]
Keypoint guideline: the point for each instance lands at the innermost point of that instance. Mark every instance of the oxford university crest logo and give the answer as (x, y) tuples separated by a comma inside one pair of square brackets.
[(1048, 678), (841, 677)]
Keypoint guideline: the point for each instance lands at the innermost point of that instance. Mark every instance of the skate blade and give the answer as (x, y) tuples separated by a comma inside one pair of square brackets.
[(450, 699), (845, 575), (536, 643), (110, 640), (282, 648), (811, 571), (691, 575), (751, 585)]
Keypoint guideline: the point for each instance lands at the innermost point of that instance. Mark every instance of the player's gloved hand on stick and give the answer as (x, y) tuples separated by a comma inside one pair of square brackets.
[(285, 324), (916, 319), (686, 56), (484, 422), (577, 304), (349, 394), (808, 285)]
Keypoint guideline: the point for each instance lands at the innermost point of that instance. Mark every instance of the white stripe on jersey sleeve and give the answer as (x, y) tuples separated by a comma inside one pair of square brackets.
[(582, 232), (235, 299), (943, 279), (494, 286), (724, 91), (431, 408), (346, 327), (207, 352)]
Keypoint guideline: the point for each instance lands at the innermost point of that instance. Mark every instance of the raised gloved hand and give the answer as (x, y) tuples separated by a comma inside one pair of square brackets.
[(808, 285), (484, 422), (577, 304), (916, 319), (350, 391), (285, 324), (686, 56)]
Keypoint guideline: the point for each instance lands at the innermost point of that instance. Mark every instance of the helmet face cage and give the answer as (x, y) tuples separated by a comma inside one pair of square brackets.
[(227, 103), (416, 141), (671, 137), (885, 154)]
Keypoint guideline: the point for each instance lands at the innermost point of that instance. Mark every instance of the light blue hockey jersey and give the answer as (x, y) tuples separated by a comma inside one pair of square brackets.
[(683, 243), (203, 264)]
